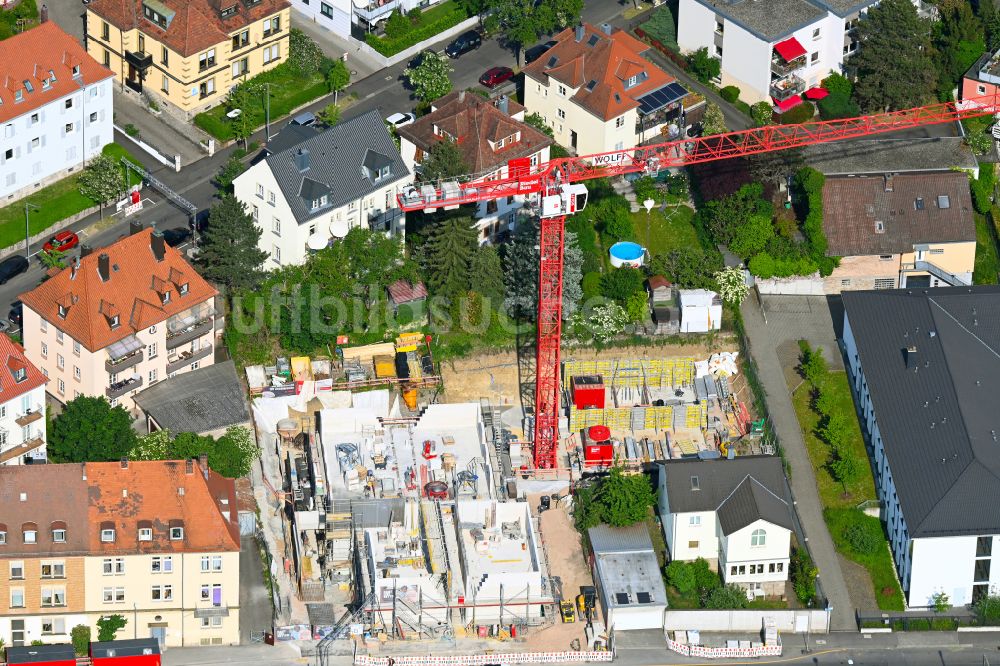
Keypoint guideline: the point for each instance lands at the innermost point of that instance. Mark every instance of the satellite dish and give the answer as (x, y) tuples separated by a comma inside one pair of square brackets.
[(649, 203), (317, 242)]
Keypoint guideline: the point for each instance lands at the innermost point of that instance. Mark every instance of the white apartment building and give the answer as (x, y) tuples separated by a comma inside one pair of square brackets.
[(490, 134), (118, 320), (733, 513), (22, 412), (306, 196), (348, 18), (55, 108), (924, 368)]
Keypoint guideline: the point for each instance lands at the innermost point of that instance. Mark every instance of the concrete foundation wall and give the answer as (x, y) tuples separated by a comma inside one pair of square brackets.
[(794, 621)]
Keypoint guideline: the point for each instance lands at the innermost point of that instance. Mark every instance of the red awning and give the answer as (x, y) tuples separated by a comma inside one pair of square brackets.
[(790, 49), (792, 101), (817, 93)]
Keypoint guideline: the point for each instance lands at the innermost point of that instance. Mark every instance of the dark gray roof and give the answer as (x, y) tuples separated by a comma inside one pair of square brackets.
[(632, 539), (939, 422), (336, 159), (201, 400), (844, 8), (749, 503), (878, 156), (741, 490), (769, 20), (290, 135), (310, 189), (375, 160)]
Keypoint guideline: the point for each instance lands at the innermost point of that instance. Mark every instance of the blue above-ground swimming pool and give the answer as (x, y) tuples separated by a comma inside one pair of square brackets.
[(627, 253)]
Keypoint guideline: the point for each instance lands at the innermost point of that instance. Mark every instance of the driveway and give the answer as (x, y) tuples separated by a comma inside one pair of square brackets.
[(255, 601), (816, 319)]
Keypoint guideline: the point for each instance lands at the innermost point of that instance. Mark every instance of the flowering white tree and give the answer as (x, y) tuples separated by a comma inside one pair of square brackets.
[(732, 285), (606, 321), (154, 446)]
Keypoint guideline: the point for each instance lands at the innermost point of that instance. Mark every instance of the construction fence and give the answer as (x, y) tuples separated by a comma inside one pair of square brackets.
[(482, 659), (724, 652)]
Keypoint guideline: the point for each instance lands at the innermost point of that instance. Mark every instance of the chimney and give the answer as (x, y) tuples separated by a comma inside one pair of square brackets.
[(134, 227), (189, 466), (580, 32), (888, 182), (503, 103), (301, 159), (43, 15), (124, 462), (85, 250), (203, 463), (74, 268), (606, 28), (461, 95), (104, 266), (157, 245), (911, 357)]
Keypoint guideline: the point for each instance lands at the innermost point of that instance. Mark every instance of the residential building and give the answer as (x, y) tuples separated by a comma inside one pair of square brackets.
[(599, 94), (899, 230), (55, 108), (22, 412), (772, 50), (314, 192), (155, 541), (350, 18), (877, 157), (925, 370), (627, 576), (121, 319), (187, 54), (983, 78), (736, 514), (490, 135), (207, 401)]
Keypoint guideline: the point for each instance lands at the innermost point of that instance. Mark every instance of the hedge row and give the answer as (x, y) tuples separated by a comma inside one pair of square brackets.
[(391, 46), (671, 54)]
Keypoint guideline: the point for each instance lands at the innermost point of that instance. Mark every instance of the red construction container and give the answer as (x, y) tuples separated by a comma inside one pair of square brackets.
[(588, 392), (598, 451), (599, 433)]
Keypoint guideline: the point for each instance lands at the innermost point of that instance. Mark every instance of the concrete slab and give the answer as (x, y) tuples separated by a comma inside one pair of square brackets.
[(361, 65), (162, 133)]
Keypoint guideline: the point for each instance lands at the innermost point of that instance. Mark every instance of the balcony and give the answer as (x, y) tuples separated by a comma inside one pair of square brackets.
[(180, 361), (24, 449), (782, 68), (118, 389), (374, 11), (192, 332), (141, 60), (782, 89), (31, 415), (125, 362)]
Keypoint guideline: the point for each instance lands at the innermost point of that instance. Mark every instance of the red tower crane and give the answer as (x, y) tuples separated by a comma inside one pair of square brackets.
[(558, 183)]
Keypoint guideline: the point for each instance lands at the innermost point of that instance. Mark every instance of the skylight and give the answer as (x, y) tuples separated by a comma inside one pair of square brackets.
[(552, 61), (591, 85)]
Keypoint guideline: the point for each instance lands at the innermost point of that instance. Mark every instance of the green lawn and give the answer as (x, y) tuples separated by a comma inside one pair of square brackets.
[(435, 20), (665, 232), (288, 91), (831, 492), (987, 263), (56, 202), (879, 563)]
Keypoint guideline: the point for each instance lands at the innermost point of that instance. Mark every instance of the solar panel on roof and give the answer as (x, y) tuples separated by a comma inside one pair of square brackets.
[(621, 598), (661, 97), (644, 597)]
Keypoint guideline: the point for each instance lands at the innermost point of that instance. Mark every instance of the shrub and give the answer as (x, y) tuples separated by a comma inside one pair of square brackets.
[(730, 94), (803, 574), (863, 537), (799, 114), (730, 596), (762, 114), (591, 285), (835, 106), (397, 25), (988, 609), (918, 624), (704, 66), (681, 576), (80, 637), (838, 84), (943, 624), (388, 46), (645, 188)]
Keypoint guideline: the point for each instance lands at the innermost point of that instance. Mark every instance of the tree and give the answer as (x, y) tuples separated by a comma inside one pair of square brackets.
[(687, 267), (732, 285), (731, 596), (538, 122), (713, 122), (397, 25), (233, 453), (486, 273), (894, 66), (752, 236), (615, 218), (79, 636), (637, 306), (52, 258), (680, 574), (101, 180), (705, 579), (775, 167), (958, 39), (762, 114), (229, 254), (836, 430), (154, 446), (329, 115), (89, 429), (108, 626), (304, 57), (725, 217), (520, 22), (619, 284), (338, 78), (232, 168), (430, 79), (813, 366), (605, 321), (838, 84), (704, 66), (520, 269), (450, 247), (846, 467), (625, 498), (443, 161)]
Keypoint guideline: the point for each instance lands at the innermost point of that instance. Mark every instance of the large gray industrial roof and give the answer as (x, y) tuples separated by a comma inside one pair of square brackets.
[(879, 156), (336, 161), (938, 419), (632, 539), (201, 400)]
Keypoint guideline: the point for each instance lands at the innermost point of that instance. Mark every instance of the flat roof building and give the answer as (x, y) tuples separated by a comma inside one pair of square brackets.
[(627, 575)]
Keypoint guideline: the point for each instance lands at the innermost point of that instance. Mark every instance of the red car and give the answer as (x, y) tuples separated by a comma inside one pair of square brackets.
[(494, 76), (62, 241)]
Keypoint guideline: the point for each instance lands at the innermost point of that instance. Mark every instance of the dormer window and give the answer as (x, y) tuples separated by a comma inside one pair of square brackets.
[(632, 80), (382, 172), (165, 297), (18, 95), (63, 311), (76, 71), (28, 86), (107, 532), (59, 536), (45, 84), (20, 374), (176, 533), (183, 289), (114, 321), (228, 11), (52, 76)]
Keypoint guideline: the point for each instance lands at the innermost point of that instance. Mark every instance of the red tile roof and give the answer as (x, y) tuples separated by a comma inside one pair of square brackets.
[(12, 356), (475, 122), (404, 291), (607, 60), (130, 292), (35, 56), (197, 24)]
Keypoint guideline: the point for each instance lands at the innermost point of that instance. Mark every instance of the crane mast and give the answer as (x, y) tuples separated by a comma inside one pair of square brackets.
[(558, 182)]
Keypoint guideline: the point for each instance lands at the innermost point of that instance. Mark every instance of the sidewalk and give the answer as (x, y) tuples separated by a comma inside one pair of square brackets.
[(360, 64), (158, 131), (779, 405)]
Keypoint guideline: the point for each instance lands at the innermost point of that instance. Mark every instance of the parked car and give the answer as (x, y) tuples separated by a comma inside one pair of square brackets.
[(12, 267), (401, 119), (467, 41), (16, 314), (176, 236), (418, 59), (494, 76), (62, 241), (305, 118), (536, 52)]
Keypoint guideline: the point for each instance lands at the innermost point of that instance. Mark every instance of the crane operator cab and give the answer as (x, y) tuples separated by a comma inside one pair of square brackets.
[(564, 200)]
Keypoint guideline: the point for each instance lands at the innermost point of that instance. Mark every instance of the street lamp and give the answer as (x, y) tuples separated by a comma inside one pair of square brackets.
[(28, 207)]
